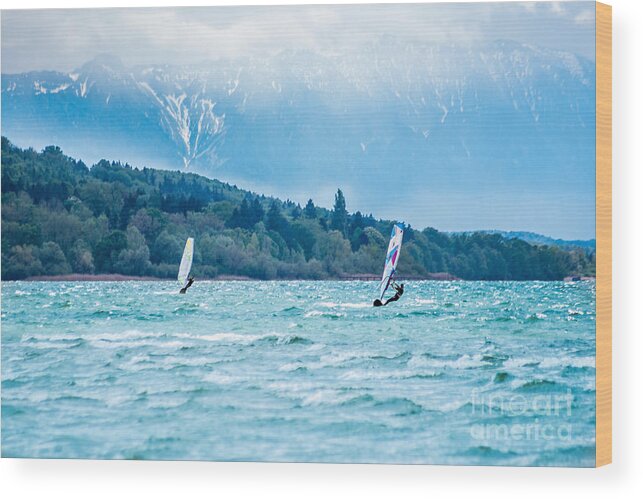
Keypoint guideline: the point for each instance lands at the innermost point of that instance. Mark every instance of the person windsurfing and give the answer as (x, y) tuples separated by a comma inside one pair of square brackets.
[(399, 291), (184, 277), (187, 285), (390, 264)]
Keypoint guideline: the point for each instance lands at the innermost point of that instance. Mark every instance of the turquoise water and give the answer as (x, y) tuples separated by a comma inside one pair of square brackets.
[(453, 373)]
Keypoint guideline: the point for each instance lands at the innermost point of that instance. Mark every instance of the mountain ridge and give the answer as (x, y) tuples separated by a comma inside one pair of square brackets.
[(487, 116)]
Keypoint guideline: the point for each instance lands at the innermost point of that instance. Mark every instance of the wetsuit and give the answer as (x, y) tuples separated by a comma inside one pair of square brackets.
[(399, 291), (189, 283)]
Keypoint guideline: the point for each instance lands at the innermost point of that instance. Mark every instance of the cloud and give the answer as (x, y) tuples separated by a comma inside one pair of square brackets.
[(63, 39), (530, 6), (556, 8), (585, 17)]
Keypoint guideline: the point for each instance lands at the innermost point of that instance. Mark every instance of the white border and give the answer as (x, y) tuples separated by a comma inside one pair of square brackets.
[(117, 479)]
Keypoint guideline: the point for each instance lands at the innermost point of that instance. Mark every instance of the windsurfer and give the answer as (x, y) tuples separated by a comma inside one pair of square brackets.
[(399, 291), (189, 283)]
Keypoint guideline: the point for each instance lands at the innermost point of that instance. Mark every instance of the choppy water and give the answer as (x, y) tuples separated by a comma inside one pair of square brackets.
[(454, 373)]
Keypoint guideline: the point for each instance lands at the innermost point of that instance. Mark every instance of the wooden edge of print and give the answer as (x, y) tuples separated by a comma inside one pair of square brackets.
[(603, 234)]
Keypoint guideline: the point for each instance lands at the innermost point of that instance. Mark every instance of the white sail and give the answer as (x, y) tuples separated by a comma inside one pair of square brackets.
[(186, 261), (392, 257)]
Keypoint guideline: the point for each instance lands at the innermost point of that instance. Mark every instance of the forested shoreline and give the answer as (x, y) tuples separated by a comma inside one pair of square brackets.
[(61, 217)]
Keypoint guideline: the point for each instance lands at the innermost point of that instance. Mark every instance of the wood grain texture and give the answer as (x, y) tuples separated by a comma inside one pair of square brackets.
[(603, 234)]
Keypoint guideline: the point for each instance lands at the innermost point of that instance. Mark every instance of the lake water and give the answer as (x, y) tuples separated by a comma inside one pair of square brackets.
[(455, 372)]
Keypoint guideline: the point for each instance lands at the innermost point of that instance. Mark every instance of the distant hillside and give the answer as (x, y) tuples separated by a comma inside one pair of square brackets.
[(61, 217), (539, 239)]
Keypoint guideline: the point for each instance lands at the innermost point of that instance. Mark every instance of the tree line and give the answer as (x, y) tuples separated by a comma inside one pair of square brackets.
[(60, 216)]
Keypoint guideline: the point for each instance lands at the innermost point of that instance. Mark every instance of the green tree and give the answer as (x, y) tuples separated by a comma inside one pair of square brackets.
[(241, 216), (275, 219), (53, 259), (340, 215), (23, 262), (14, 233), (149, 221), (256, 211), (167, 248), (304, 233), (334, 250), (108, 249), (61, 227), (309, 210), (81, 258), (135, 258)]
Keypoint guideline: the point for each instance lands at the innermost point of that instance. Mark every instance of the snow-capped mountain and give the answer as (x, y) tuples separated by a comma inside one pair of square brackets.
[(299, 122)]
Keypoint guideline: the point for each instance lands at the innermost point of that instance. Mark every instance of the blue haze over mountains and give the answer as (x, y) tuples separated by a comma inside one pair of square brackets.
[(460, 137)]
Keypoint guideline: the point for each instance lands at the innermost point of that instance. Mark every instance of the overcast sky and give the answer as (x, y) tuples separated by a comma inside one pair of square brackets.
[(64, 39)]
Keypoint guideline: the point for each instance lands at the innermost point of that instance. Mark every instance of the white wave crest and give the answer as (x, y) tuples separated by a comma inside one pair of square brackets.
[(568, 362), (462, 362), (323, 313), (330, 304)]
